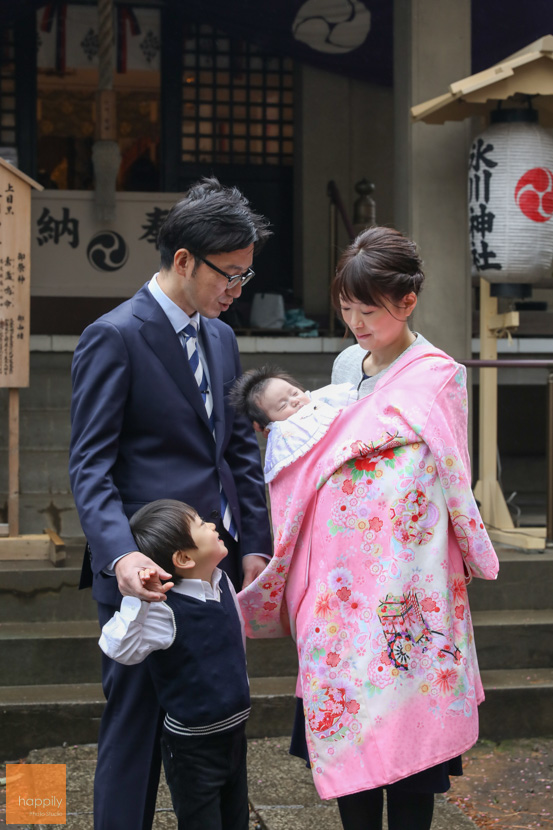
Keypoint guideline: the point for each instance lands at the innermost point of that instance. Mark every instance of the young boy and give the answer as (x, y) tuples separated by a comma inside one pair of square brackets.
[(293, 419), (195, 646)]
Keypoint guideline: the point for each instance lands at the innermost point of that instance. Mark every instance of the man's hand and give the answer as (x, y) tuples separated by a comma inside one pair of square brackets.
[(127, 572), (252, 565)]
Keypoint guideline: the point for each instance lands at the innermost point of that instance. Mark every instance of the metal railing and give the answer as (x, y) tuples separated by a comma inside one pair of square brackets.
[(532, 364)]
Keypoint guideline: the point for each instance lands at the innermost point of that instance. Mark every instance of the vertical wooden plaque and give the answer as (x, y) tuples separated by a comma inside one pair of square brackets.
[(15, 306), (15, 275)]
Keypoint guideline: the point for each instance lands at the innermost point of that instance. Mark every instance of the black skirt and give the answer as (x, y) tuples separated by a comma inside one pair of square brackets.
[(432, 780)]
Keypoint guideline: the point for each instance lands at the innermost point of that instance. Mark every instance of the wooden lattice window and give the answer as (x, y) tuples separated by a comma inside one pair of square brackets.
[(7, 88), (237, 102)]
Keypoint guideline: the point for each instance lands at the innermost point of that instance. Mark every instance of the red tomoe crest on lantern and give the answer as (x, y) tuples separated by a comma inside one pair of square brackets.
[(534, 194)]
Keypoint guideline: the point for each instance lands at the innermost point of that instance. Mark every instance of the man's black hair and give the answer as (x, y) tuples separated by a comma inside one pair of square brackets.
[(248, 389), (211, 219)]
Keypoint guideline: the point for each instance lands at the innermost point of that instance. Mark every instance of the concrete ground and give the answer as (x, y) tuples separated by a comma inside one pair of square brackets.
[(505, 786)]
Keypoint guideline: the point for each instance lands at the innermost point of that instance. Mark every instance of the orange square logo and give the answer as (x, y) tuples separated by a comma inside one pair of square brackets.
[(35, 794)]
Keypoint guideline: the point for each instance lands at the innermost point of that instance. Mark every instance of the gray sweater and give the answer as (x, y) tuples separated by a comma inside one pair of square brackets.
[(348, 367)]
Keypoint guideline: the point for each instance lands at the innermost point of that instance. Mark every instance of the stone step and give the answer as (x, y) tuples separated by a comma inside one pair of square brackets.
[(40, 593), (50, 653), (35, 591), (32, 717), (524, 580), (517, 638), (67, 652), (38, 716), (519, 704), (277, 657)]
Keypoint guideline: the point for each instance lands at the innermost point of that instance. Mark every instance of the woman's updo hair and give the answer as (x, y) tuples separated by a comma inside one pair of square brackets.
[(380, 267)]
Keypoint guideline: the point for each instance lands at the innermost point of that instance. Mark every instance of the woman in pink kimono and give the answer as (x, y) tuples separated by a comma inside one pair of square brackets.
[(376, 535)]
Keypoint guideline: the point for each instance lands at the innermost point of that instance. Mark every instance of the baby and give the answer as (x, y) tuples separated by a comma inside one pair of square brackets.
[(293, 419)]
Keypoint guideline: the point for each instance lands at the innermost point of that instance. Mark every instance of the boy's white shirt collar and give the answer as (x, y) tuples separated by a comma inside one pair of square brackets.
[(199, 589), (195, 588)]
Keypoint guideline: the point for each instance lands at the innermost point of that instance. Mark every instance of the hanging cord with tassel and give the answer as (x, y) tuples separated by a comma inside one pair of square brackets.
[(106, 156)]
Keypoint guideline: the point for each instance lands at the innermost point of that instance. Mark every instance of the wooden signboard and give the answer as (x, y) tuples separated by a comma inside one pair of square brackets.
[(15, 305), (15, 272)]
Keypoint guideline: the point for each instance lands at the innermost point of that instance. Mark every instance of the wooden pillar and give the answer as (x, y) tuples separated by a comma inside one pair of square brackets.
[(430, 177), (13, 463), (488, 492)]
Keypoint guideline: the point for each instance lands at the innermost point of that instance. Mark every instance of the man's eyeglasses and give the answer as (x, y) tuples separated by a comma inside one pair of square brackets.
[(237, 279)]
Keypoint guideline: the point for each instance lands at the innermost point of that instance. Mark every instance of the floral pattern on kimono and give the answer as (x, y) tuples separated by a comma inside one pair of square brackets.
[(376, 532)]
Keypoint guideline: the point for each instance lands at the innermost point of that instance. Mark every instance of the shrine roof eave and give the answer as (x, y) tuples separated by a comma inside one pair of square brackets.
[(527, 73)]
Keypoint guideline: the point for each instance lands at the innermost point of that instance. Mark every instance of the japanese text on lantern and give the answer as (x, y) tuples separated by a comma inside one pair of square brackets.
[(14, 279), (481, 218)]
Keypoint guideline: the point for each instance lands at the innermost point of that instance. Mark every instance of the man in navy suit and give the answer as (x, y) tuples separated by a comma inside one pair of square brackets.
[(151, 419)]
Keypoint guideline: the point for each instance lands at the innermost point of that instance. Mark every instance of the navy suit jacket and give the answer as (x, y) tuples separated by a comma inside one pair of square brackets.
[(140, 432)]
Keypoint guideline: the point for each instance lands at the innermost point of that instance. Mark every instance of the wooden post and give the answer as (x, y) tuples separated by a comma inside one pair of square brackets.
[(549, 492), (13, 463), (493, 507)]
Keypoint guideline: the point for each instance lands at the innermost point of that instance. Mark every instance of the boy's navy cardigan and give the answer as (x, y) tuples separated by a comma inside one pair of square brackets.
[(201, 679)]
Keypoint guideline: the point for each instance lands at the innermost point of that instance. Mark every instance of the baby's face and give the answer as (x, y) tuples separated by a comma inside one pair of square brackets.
[(280, 399)]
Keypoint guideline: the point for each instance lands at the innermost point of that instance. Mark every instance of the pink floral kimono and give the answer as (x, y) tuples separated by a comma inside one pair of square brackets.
[(376, 533)]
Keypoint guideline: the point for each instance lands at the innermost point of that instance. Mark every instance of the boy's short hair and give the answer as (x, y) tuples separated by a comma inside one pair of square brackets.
[(162, 527), (248, 389)]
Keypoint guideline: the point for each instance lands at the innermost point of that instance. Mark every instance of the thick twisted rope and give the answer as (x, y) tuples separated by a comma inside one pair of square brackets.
[(106, 44)]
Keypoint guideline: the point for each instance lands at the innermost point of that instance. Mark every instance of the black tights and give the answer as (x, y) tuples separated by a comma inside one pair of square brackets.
[(406, 811)]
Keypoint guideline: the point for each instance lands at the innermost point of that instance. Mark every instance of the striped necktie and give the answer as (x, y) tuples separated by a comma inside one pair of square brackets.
[(190, 336)]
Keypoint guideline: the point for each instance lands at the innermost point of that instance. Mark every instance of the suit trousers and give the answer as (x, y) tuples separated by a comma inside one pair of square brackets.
[(207, 777), (129, 753)]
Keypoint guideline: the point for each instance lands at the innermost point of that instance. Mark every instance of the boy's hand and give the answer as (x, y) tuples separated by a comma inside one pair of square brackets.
[(151, 581), (127, 571)]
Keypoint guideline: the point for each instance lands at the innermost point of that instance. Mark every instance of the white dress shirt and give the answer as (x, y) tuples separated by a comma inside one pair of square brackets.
[(179, 318), (140, 627)]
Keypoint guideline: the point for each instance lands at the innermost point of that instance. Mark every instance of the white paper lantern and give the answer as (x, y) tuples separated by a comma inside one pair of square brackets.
[(511, 201)]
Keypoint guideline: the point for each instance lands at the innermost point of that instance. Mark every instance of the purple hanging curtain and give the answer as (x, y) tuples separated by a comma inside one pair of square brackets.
[(351, 37)]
